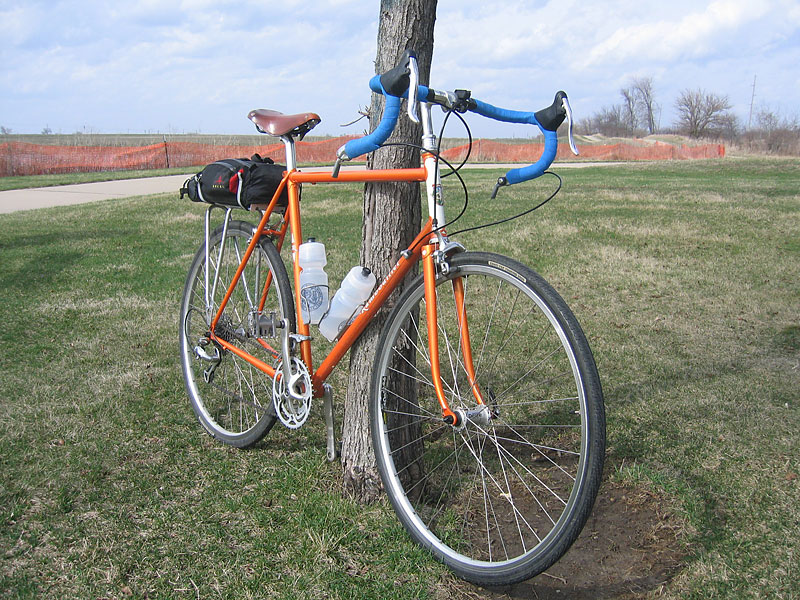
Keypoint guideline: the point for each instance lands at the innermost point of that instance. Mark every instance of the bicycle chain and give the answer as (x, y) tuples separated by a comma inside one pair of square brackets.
[(225, 331)]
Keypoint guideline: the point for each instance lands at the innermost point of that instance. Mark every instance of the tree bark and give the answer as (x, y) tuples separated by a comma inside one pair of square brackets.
[(392, 217)]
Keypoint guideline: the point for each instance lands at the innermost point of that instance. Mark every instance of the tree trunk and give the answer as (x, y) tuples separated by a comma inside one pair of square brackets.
[(392, 217)]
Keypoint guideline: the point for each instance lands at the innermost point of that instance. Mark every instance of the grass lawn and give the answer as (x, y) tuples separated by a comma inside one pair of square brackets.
[(683, 275)]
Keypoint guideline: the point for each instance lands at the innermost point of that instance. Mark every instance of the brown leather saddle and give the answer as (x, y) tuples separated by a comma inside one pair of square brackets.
[(279, 125)]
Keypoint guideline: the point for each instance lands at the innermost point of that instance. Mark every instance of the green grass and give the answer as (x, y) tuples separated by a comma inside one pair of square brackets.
[(683, 275), (17, 182)]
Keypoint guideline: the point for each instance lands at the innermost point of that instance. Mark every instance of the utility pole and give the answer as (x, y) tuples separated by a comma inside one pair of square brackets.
[(752, 100)]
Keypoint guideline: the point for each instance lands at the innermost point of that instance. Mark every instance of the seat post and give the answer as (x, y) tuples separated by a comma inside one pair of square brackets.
[(291, 154)]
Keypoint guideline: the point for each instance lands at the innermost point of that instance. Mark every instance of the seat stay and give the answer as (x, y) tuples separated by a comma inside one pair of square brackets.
[(248, 252)]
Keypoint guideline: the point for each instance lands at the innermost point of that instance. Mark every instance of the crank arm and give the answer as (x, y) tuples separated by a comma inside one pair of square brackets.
[(293, 380)]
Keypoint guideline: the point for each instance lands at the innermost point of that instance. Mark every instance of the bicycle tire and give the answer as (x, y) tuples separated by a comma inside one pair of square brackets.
[(498, 502), (235, 405)]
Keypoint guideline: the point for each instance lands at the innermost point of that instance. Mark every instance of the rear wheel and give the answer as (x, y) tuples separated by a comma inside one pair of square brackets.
[(231, 398), (502, 495)]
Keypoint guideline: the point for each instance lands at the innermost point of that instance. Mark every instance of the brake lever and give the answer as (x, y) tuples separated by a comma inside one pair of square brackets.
[(413, 89), (336, 166), (341, 156), (568, 110)]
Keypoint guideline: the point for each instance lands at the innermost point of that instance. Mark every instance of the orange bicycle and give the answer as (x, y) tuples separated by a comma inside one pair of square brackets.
[(486, 407)]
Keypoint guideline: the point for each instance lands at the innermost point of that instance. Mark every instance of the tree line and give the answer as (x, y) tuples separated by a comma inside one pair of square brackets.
[(699, 114)]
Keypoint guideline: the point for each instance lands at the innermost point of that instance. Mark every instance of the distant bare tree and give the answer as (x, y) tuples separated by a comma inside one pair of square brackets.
[(729, 127), (769, 121), (701, 113), (5, 130), (645, 98), (778, 134), (637, 110), (629, 109), (607, 121)]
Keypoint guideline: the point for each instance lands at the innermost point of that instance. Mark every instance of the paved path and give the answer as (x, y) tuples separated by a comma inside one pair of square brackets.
[(62, 195)]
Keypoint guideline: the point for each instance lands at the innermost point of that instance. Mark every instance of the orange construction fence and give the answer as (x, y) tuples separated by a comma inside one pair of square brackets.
[(22, 158), (492, 151)]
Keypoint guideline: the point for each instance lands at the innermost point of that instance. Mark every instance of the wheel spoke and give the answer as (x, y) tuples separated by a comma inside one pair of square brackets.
[(234, 405)]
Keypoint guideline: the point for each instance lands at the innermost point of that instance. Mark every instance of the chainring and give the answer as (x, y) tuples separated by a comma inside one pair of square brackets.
[(292, 412)]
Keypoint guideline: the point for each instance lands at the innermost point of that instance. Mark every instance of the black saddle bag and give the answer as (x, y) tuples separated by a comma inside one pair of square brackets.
[(237, 182)]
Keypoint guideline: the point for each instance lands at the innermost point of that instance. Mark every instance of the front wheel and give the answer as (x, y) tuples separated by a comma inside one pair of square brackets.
[(503, 494)]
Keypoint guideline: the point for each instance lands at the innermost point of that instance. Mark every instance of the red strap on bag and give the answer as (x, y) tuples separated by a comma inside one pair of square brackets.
[(233, 183)]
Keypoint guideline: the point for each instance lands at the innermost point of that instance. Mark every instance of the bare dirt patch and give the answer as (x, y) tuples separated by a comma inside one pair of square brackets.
[(630, 546)]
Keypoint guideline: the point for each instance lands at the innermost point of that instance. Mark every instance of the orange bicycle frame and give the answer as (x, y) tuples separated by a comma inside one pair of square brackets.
[(422, 248)]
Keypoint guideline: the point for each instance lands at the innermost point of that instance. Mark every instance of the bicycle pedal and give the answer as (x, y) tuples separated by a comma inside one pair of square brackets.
[(333, 450)]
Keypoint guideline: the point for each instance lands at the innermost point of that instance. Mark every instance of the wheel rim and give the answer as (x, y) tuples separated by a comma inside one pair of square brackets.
[(495, 494), (237, 400)]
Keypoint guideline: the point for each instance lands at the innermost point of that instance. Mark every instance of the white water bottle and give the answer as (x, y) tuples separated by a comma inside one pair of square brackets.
[(313, 281), (355, 290)]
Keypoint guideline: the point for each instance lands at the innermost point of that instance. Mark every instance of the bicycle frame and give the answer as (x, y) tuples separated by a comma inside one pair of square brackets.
[(427, 247)]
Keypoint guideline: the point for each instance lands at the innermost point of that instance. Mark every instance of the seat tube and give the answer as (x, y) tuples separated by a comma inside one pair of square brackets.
[(291, 153), (297, 238), (429, 275)]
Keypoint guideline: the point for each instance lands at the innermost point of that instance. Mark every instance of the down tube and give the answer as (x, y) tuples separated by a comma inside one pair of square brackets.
[(352, 333)]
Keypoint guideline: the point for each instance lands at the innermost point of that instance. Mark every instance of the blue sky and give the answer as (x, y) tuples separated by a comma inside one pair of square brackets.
[(202, 65)]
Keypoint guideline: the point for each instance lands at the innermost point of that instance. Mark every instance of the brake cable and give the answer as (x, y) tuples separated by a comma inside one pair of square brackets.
[(455, 171)]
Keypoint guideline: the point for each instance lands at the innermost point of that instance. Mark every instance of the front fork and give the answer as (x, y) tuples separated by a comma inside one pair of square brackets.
[(429, 270)]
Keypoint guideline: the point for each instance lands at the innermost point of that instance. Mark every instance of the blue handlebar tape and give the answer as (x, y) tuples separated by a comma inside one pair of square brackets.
[(391, 113), (503, 114), (376, 86), (373, 141), (540, 166), (513, 116)]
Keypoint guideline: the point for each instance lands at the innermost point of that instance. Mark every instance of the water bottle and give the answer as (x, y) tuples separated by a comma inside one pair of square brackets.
[(313, 281), (355, 290)]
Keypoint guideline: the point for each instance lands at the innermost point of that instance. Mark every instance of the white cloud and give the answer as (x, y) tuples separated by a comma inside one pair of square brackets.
[(696, 34), (205, 63), (17, 24)]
